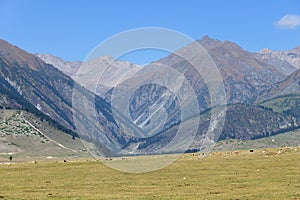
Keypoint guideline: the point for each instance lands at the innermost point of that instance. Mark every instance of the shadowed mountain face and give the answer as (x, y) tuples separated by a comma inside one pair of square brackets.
[(243, 122), (28, 82), (40, 84), (9, 96), (287, 104)]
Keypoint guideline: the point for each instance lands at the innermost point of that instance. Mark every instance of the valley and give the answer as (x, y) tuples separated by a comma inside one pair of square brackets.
[(149, 100), (219, 175)]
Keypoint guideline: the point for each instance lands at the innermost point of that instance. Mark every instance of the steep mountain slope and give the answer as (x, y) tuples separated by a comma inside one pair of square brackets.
[(288, 86), (50, 91), (40, 84), (11, 99)]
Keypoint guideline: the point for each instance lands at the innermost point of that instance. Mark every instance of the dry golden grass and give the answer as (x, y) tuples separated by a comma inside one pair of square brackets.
[(264, 174)]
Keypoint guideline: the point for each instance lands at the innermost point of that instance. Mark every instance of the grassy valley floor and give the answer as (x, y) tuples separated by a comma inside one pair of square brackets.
[(263, 174)]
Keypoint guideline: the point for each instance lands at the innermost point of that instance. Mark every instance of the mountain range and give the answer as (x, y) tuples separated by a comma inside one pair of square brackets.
[(44, 85)]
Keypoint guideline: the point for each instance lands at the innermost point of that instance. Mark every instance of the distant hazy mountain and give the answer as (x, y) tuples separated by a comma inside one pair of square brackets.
[(281, 63), (291, 56), (117, 71), (69, 68)]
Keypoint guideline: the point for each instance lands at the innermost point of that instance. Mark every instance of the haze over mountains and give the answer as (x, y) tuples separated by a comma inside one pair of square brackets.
[(117, 72), (291, 56), (43, 84)]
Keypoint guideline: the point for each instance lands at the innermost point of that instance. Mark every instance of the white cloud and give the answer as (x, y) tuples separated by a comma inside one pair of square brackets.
[(288, 22)]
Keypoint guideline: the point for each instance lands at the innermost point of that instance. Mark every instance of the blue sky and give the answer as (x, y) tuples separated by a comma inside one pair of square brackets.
[(72, 28)]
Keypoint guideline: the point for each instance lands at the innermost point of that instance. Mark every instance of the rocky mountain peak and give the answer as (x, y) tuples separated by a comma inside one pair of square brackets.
[(265, 51), (208, 43)]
